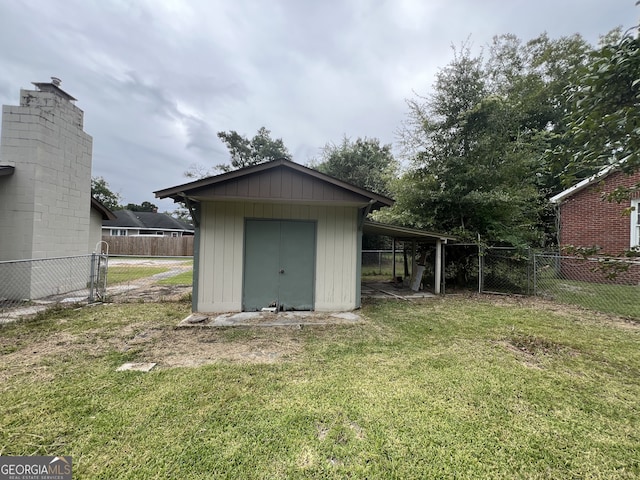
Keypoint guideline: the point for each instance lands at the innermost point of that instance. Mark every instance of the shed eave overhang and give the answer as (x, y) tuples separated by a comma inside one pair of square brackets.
[(194, 191), (210, 198)]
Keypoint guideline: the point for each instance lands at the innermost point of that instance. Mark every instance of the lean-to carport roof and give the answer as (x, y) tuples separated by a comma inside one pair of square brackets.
[(276, 181), (404, 233)]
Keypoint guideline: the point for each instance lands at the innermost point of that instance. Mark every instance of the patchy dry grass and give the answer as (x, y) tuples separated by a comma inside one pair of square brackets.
[(449, 388)]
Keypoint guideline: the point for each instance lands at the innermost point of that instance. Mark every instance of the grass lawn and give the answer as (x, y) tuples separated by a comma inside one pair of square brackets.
[(616, 299), (184, 278), (450, 388), (121, 274)]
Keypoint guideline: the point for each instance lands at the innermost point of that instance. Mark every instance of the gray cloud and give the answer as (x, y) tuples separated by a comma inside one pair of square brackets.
[(157, 78)]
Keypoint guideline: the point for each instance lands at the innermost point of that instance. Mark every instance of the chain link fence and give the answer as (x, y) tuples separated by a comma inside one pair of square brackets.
[(610, 285), (605, 284), (380, 263), (505, 270), (29, 286), (461, 272)]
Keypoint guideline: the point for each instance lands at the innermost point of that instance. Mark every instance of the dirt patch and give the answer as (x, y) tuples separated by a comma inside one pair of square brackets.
[(193, 348), (526, 359), (31, 358), (149, 342), (150, 293), (531, 350)]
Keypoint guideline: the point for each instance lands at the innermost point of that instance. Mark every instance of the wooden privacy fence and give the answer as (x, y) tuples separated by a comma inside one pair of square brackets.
[(150, 246)]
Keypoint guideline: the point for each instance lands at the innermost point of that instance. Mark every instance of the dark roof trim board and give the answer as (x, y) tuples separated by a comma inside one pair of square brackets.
[(104, 211), (220, 186)]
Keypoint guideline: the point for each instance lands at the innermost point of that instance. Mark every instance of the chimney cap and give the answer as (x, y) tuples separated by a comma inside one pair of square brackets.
[(54, 87)]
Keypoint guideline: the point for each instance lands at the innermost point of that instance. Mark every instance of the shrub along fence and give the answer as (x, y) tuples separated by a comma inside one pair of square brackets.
[(505, 270), (150, 246)]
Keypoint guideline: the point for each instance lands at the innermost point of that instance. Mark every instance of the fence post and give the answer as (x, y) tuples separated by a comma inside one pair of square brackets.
[(92, 282), (480, 269), (535, 276), (529, 260)]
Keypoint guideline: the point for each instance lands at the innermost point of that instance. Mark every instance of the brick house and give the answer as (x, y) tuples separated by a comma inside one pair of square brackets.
[(586, 219)]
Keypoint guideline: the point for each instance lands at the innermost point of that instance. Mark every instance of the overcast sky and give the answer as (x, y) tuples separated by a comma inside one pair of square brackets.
[(157, 79)]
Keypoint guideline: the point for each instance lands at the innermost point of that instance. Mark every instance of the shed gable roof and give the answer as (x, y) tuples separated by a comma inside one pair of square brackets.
[(279, 180)]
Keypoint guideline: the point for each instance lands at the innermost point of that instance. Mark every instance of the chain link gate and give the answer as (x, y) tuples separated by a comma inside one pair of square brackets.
[(98, 275)]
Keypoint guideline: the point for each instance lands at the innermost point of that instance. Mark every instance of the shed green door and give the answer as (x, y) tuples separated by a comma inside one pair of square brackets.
[(279, 264)]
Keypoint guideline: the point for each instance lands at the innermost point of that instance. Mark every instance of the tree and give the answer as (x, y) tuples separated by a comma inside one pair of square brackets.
[(363, 162), (181, 213), (100, 191), (244, 152), (466, 177), (477, 143), (143, 207), (603, 121)]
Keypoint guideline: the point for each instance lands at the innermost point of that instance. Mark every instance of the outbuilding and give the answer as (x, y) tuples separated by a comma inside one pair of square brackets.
[(276, 235)]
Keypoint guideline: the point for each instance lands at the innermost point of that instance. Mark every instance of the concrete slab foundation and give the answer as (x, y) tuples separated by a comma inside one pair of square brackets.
[(390, 290), (269, 319)]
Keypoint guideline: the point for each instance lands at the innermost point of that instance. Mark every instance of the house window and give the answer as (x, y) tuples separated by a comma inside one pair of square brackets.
[(635, 222), (174, 234), (118, 233)]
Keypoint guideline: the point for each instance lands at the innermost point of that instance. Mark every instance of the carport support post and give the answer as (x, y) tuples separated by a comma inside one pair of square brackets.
[(393, 254), (438, 267)]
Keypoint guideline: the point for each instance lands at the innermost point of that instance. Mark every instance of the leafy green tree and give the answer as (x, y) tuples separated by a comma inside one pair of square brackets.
[(464, 180), (603, 121), (101, 191), (181, 213), (143, 207), (244, 152), (477, 143), (363, 162)]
